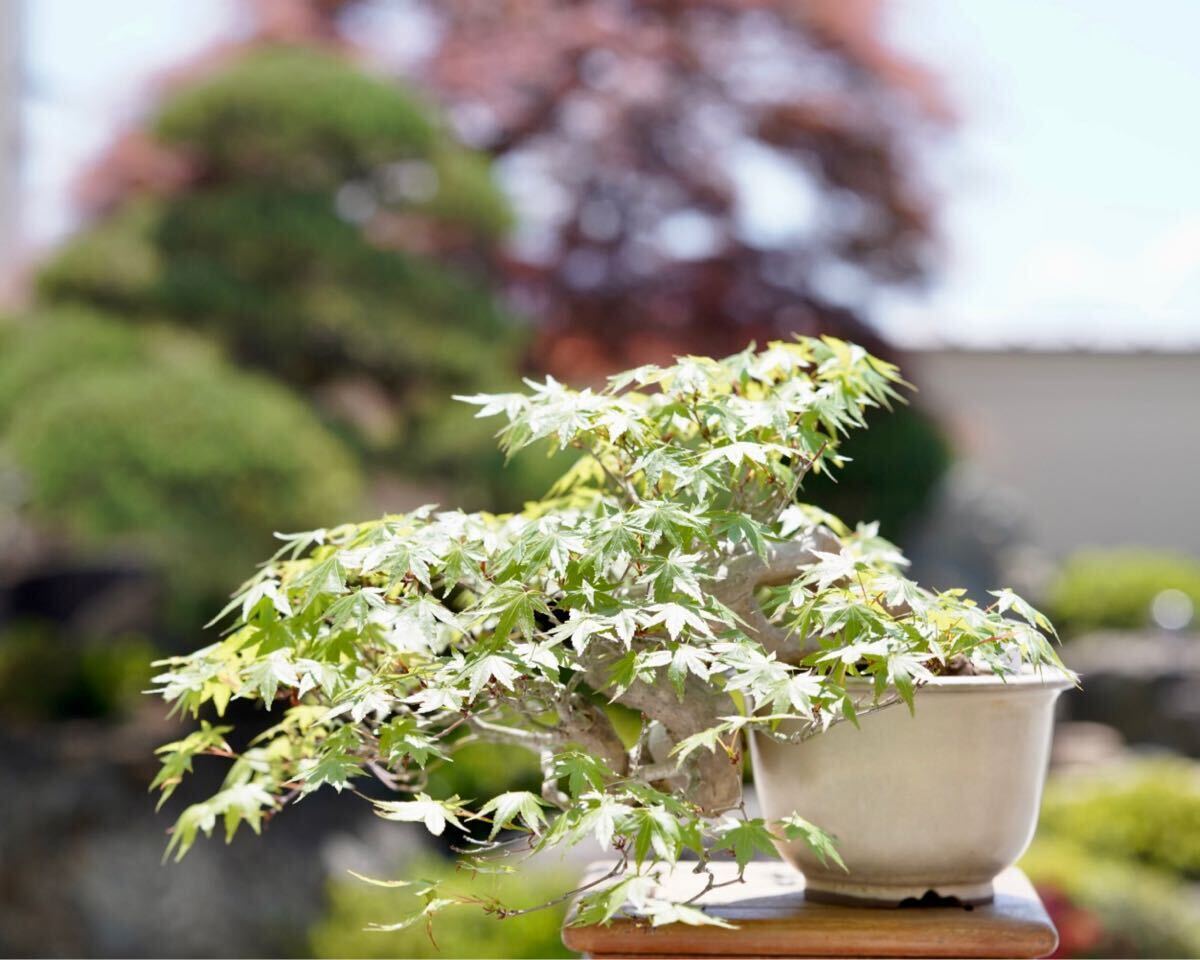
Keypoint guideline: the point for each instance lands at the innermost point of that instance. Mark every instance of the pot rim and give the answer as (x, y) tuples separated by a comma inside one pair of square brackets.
[(1047, 679)]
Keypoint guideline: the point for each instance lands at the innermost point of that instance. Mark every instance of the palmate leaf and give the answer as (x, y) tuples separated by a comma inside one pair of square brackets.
[(507, 808), (675, 617), (678, 572), (821, 843), (688, 659), (662, 912), (267, 675), (234, 804), (321, 579), (746, 838), (435, 814), (582, 771), (402, 739), (708, 739), (655, 828), (515, 605), (488, 669), (432, 906), (177, 757), (602, 905)]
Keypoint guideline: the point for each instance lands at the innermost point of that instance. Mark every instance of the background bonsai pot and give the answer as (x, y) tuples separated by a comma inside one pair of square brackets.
[(939, 800)]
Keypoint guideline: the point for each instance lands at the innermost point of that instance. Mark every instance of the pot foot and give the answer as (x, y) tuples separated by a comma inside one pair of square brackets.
[(965, 895)]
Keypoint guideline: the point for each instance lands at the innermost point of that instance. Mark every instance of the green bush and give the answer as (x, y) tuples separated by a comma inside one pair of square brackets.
[(297, 118), (295, 115), (253, 252), (1114, 589), (459, 932), (1113, 908), (112, 265), (1148, 813), (1114, 856), (62, 344), (199, 465)]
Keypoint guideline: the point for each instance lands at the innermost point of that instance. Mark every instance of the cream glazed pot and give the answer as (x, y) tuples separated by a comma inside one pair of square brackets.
[(941, 800)]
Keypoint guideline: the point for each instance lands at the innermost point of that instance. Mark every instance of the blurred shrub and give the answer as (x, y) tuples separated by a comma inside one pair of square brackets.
[(46, 674), (294, 115), (112, 264), (1148, 812), (197, 464), (1114, 856), (311, 121), (1105, 907), (291, 288), (1114, 589), (64, 343), (457, 932), (324, 237), (894, 467)]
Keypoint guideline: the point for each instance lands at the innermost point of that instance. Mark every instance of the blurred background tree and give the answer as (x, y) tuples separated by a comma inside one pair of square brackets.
[(644, 139), (254, 209)]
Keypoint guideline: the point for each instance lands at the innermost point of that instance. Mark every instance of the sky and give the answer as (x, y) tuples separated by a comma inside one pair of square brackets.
[(1071, 204)]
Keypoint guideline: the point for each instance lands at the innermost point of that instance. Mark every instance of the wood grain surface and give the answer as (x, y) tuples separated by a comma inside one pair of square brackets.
[(774, 919)]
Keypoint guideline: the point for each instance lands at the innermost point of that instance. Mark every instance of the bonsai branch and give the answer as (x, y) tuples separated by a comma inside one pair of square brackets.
[(785, 561)]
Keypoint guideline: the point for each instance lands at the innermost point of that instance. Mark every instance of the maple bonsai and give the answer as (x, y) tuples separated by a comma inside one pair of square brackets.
[(670, 571)]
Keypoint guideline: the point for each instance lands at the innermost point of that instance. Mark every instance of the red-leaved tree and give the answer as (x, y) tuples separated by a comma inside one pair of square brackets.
[(694, 174)]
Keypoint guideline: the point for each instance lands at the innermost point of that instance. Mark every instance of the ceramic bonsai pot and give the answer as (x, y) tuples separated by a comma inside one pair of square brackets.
[(941, 800)]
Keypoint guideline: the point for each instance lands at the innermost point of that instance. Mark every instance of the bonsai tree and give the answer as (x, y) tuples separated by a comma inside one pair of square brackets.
[(671, 572)]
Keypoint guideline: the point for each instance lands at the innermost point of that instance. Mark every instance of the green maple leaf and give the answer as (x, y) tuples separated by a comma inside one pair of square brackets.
[(745, 838), (507, 808), (820, 842)]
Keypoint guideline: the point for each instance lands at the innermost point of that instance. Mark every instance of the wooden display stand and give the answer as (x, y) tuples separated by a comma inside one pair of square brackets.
[(774, 919)]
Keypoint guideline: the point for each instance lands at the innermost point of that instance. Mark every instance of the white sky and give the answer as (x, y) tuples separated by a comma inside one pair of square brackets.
[(1072, 200)]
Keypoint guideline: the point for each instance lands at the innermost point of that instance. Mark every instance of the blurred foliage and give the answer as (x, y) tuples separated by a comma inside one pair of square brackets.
[(290, 287), (1148, 813), (632, 121), (295, 116), (1114, 589), (1114, 856), (46, 674), (194, 462), (110, 265), (64, 343), (459, 932), (1110, 907), (894, 467), (322, 232)]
